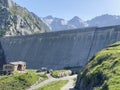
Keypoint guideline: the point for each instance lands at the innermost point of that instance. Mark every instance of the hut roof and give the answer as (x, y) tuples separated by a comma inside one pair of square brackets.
[(18, 62)]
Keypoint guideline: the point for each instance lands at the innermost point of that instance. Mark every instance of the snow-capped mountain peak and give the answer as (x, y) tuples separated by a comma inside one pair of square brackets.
[(61, 24), (57, 24)]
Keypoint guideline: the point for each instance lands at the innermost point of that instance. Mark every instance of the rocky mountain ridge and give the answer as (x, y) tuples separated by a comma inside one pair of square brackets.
[(17, 20), (57, 24)]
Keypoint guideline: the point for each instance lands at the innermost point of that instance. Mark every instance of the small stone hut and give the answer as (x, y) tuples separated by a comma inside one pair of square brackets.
[(14, 66)]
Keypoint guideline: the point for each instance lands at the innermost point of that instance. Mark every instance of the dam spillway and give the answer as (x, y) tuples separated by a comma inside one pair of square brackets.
[(60, 49)]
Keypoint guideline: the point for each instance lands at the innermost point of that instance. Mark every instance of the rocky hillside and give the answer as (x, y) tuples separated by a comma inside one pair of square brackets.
[(16, 20), (102, 72)]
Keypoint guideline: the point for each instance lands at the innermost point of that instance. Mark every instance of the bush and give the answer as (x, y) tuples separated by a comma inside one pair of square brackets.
[(61, 73)]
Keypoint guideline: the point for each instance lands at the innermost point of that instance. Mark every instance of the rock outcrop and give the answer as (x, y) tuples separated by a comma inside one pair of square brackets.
[(61, 49), (16, 20)]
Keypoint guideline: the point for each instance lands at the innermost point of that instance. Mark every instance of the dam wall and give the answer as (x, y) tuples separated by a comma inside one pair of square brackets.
[(57, 50)]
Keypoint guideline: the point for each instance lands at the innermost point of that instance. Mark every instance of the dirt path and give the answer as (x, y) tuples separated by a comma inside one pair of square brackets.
[(69, 85), (51, 79)]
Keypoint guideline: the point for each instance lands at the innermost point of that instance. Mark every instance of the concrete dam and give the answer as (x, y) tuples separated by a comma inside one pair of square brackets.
[(57, 50)]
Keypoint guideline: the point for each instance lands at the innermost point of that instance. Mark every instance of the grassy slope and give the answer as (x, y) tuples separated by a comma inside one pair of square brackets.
[(19, 81), (56, 85), (103, 70)]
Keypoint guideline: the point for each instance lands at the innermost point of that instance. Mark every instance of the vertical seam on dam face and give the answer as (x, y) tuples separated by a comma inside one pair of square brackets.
[(91, 44), (57, 50)]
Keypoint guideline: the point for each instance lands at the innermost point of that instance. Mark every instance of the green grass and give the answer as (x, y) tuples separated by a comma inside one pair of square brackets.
[(56, 85), (103, 70), (20, 81), (60, 73)]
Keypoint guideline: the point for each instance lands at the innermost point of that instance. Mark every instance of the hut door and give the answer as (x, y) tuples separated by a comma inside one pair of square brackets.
[(19, 67)]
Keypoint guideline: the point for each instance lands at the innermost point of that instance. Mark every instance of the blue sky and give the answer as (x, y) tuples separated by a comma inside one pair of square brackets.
[(85, 9)]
